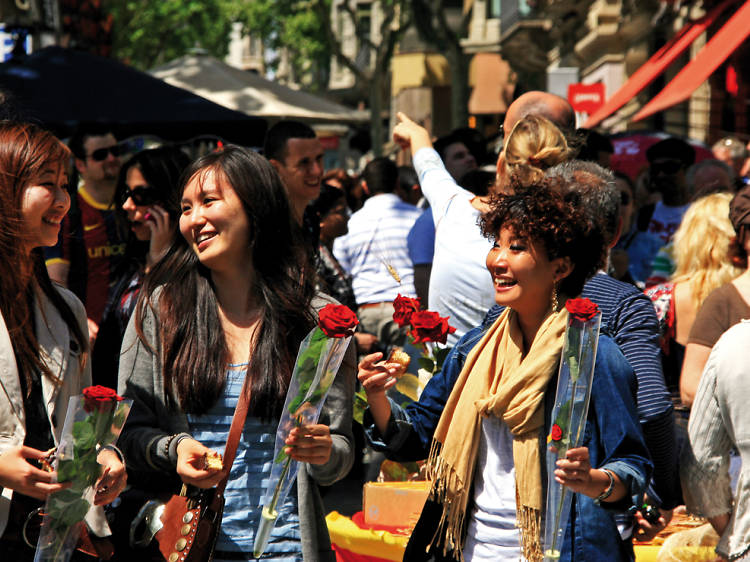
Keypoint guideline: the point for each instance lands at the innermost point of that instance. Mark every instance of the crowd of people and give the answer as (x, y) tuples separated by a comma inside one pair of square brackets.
[(173, 280)]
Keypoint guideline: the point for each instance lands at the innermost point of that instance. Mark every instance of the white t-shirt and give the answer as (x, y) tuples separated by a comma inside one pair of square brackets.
[(492, 534), (666, 220), (460, 285)]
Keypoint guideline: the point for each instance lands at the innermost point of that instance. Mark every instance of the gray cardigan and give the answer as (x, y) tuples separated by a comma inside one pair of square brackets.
[(151, 422)]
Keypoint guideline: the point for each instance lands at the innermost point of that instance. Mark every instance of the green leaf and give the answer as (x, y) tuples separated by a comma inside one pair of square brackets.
[(66, 470), (440, 354), (84, 436), (281, 456), (426, 363), (360, 405), (75, 512)]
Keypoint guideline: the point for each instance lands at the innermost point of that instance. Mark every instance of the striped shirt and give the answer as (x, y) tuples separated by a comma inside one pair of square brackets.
[(376, 240), (248, 480), (629, 317)]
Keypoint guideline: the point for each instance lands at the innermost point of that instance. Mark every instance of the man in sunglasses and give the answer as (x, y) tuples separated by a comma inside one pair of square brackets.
[(90, 245), (668, 161)]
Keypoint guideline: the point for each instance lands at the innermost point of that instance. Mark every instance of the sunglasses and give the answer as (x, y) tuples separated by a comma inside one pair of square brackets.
[(624, 198), (142, 195), (100, 154)]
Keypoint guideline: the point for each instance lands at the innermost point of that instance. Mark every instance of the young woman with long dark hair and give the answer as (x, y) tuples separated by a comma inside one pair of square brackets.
[(233, 298), (43, 337)]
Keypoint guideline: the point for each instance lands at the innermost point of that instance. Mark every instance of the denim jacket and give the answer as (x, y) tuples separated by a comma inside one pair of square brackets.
[(612, 434)]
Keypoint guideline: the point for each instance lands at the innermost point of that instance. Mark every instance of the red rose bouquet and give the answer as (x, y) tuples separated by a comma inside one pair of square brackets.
[(93, 420), (318, 360), (425, 330), (569, 412)]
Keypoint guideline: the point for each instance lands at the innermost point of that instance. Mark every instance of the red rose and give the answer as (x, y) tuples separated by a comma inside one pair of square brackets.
[(556, 432), (403, 308), (428, 326), (337, 321), (581, 309), (99, 398)]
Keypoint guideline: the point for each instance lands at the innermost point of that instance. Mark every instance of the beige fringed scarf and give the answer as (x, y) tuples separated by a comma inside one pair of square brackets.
[(498, 380)]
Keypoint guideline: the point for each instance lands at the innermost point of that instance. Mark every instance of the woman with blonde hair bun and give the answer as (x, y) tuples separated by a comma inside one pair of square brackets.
[(534, 144), (459, 285), (701, 250)]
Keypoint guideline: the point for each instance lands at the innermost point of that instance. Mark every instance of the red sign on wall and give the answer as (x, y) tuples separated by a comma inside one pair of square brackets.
[(586, 98)]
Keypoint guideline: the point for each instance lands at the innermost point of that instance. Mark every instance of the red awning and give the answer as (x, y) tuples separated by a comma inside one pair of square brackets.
[(710, 57), (657, 64)]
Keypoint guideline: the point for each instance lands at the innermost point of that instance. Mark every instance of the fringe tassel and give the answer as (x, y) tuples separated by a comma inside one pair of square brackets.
[(449, 530), (529, 521)]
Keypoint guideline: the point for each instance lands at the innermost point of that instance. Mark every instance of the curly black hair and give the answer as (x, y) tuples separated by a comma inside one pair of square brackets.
[(544, 215)]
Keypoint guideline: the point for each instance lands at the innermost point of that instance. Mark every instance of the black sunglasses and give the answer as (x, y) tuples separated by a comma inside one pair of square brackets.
[(142, 195), (624, 198), (100, 154)]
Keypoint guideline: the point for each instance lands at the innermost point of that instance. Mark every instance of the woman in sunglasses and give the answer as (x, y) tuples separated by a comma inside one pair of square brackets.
[(147, 203), (43, 337)]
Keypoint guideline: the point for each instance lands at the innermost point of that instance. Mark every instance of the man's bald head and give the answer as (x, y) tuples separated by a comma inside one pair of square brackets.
[(553, 107)]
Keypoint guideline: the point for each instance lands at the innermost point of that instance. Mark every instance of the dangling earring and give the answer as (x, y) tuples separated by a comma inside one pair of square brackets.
[(555, 304)]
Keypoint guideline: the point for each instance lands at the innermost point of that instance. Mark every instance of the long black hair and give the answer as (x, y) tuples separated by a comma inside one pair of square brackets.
[(194, 352)]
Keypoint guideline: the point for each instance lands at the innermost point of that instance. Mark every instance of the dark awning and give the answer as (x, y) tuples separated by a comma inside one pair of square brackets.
[(60, 88)]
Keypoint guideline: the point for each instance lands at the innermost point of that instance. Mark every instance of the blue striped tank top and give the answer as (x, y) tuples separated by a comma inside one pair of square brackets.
[(247, 481)]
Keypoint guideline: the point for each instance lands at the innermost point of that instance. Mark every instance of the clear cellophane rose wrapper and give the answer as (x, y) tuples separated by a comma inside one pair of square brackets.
[(569, 413), (319, 358), (93, 420)]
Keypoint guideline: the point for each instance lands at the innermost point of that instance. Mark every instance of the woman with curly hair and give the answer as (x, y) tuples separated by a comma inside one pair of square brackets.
[(43, 336), (483, 426), (459, 285)]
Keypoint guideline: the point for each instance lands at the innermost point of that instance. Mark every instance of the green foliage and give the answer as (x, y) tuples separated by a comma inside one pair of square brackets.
[(427, 364), (307, 366), (147, 34), (294, 25)]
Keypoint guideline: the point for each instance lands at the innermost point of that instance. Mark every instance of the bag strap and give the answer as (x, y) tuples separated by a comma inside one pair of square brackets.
[(235, 430)]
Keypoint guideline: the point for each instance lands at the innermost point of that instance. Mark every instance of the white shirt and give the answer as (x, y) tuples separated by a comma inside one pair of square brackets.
[(460, 285), (492, 534), (376, 239), (666, 220)]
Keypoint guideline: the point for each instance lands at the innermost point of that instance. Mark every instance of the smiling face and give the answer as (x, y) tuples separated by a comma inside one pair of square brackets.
[(522, 274), (214, 223), (302, 170), (44, 204)]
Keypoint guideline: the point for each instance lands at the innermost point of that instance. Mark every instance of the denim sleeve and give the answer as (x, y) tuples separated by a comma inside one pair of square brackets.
[(621, 446), (410, 430)]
